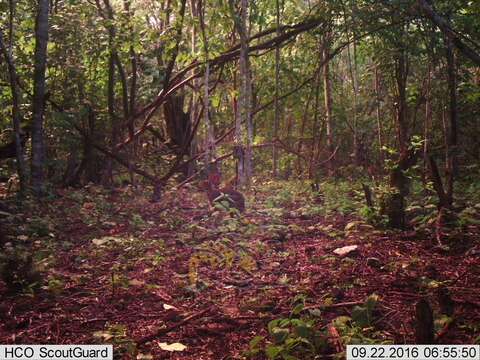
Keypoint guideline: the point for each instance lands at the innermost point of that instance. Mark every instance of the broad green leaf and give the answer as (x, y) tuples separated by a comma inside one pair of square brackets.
[(272, 351)]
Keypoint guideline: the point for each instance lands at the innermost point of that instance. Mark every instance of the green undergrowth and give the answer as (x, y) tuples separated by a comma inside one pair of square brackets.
[(118, 221), (125, 244), (303, 335)]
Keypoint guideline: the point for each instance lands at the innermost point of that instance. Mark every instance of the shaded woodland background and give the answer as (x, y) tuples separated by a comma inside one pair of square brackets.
[(349, 119)]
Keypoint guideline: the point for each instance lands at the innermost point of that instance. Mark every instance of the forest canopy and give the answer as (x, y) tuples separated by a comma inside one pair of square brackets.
[(155, 88), (287, 114)]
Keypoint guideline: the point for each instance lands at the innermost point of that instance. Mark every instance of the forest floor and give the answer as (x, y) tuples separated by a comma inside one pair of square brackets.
[(120, 269)]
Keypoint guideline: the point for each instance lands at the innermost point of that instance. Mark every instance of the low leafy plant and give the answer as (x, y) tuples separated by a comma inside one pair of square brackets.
[(137, 221), (338, 198), (469, 216), (371, 216), (39, 226), (55, 285), (17, 270), (359, 327), (289, 339), (282, 198), (116, 334), (295, 337)]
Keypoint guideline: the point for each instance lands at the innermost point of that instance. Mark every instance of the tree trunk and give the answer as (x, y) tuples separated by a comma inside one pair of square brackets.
[(16, 116), (248, 95), (401, 73), (450, 169), (353, 76), (327, 87), (394, 203), (194, 98), (90, 156), (427, 123), (108, 179), (134, 76), (424, 325), (244, 161), (301, 140), (178, 124), (378, 114), (40, 64), (315, 130), (210, 148), (276, 122)]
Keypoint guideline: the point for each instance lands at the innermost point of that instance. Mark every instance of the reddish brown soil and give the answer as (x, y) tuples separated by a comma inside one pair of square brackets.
[(237, 302)]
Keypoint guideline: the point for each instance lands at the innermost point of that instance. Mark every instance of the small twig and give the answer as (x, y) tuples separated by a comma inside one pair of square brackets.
[(468, 302), (93, 320), (387, 315), (459, 277), (333, 306), (113, 284), (237, 282)]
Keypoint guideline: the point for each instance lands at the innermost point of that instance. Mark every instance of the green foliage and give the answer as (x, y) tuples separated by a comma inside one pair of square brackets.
[(469, 216), (371, 215), (289, 338), (282, 199), (116, 334), (339, 198), (359, 328), (224, 203), (297, 336), (220, 254), (137, 221), (55, 285), (293, 339), (363, 315), (39, 226), (18, 270)]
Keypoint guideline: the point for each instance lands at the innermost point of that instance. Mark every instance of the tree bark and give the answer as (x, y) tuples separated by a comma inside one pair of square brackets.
[(210, 143), (401, 74), (248, 95), (427, 122), (378, 114), (301, 140), (312, 171), (242, 153), (452, 131), (353, 76), (394, 203), (327, 88), (116, 58), (194, 105), (16, 115), (40, 64), (424, 327), (276, 121)]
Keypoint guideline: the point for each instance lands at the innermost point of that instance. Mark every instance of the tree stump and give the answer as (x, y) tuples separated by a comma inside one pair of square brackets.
[(393, 206), (424, 327)]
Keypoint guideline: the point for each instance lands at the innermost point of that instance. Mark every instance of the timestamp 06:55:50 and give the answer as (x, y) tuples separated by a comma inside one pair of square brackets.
[(413, 352)]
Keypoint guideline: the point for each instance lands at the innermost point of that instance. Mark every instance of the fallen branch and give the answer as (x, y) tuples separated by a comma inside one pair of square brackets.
[(329, 307), (170, 328), (334, 306)]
